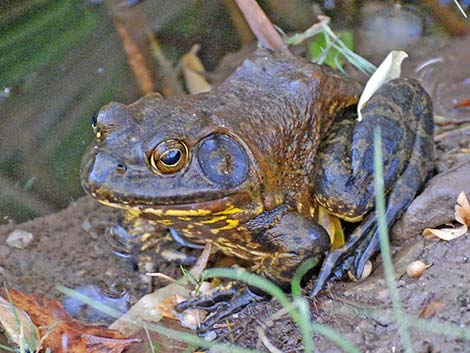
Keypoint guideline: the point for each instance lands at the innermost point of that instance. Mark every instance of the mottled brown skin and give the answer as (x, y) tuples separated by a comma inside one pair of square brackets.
[(286, 141)]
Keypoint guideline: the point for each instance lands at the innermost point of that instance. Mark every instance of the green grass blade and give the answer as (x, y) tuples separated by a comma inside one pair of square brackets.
[(301, 271), (385, 243), (9, 349)]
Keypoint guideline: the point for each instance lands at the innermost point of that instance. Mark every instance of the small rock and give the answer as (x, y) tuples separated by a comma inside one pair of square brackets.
[(435, 206), (86, 225), (19, 239), (210, 336), (4, 252), (415, 269)]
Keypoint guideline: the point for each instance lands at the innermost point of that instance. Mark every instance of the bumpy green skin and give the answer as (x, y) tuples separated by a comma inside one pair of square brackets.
[(296, 146)]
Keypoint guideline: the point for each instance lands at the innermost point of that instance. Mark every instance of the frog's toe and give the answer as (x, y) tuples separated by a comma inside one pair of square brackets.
[(362, 244), (221, 303)]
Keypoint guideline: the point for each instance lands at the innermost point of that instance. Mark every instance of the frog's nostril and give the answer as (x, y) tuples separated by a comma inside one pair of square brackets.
[(121, 168)]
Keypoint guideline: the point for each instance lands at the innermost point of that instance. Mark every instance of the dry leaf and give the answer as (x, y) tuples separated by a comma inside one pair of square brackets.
[(61, 333), (463, 104), (18, 326), (194, 72), (462, 209), (445, 233), (462, 215), (387, 71), (431, 308), (165, 307)]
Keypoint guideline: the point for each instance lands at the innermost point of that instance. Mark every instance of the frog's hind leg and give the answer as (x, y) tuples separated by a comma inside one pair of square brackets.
[(403, 111)]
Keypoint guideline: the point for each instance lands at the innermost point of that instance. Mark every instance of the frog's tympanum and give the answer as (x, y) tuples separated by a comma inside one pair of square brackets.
[(251, 165)]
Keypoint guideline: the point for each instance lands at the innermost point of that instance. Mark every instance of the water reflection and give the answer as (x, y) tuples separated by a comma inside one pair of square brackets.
[(115, 297)]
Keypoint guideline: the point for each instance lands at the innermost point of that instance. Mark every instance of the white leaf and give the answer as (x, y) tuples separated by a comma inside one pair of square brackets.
[(388, 70)]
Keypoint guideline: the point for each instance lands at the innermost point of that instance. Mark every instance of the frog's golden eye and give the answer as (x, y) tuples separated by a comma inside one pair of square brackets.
[(168, 157)]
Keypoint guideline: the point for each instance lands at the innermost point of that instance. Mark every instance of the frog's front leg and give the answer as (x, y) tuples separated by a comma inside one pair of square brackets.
[(344, 183), (284, 240), (287, 240)]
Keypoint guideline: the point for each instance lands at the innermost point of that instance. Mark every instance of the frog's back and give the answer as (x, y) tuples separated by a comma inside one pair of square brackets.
[(280, 105)]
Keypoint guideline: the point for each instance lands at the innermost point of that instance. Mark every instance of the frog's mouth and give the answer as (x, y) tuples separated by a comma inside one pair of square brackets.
[(227, 205)]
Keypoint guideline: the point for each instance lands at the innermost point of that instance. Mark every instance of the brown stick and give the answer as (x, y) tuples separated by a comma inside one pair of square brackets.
[(136, 60), (452, 20), (262, 26)]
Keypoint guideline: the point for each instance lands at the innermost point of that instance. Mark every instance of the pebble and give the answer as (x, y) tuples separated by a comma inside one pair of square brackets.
[(415, 269), (210, 336), (19, 239)]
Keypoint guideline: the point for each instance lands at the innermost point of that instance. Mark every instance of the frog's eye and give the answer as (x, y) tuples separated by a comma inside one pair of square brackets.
[(94, 124), (223, 160), (94, 120), (168, 157)]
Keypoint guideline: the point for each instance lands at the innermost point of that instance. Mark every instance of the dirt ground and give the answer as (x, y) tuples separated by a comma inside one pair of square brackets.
[(69, 248)]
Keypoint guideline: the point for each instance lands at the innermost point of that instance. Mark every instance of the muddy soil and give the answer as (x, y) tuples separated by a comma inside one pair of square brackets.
[(69, 248)]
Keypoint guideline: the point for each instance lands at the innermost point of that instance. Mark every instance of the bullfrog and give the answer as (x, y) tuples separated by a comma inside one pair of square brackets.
[(250, 165)]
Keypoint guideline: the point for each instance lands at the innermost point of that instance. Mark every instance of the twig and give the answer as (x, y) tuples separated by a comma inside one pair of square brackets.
[(457, 3), (136, 60), (267, 343), (261, 26), (312, 31), (453, 23)]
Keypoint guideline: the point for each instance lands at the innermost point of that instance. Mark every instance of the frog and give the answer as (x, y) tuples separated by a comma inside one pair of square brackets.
[(249, 166)]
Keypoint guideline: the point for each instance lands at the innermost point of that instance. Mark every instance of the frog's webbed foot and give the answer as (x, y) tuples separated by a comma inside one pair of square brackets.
[(350, 257), (221, 303)]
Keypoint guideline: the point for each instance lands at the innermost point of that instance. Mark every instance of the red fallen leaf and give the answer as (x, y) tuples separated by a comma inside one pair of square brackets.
[(61, 333), (462, 104)]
